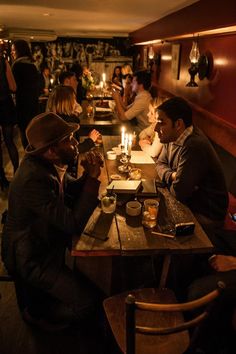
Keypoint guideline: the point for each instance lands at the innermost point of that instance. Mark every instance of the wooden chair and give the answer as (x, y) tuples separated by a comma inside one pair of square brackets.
[(150, 321)]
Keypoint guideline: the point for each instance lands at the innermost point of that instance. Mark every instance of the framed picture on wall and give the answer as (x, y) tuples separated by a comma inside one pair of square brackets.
[(145, 58), (175, 63)]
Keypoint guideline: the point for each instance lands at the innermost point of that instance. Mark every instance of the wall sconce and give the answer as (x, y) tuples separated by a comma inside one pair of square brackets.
[(151, 53), (194, 58), (200, 64)]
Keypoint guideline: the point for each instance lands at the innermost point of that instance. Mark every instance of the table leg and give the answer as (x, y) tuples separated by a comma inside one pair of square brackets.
[(165, 270)]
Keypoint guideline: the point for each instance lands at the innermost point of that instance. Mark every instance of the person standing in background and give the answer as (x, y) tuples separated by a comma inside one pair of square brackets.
[(28, 85), (7, 117), (47, 80)]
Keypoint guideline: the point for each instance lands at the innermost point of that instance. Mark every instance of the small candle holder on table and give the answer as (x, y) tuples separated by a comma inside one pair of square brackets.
[(125, 159)]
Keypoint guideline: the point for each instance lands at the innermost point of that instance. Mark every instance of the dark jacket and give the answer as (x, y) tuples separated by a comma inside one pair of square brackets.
[(200, 182), (41, 220), (28, 89)]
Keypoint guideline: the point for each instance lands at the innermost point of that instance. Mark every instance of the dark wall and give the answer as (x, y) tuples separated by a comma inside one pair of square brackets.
[(202, 15)]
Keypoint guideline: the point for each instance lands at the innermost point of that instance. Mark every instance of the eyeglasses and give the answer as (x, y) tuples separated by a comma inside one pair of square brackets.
[(233, 216)]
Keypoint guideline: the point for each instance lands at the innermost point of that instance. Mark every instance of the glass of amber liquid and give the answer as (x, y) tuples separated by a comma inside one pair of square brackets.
[(150, 212), (90, 110)]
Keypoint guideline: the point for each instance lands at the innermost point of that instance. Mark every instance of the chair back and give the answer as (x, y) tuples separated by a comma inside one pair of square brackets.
[(152, 322)]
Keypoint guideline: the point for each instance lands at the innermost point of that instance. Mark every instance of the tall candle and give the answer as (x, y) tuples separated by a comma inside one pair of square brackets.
[(123, 136), (104, 77), (126, 143), (130, 144)]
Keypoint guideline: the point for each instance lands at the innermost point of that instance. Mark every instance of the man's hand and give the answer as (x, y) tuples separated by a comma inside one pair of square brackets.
[(92, 163), (222, 263), (116, 95), (94, 134)]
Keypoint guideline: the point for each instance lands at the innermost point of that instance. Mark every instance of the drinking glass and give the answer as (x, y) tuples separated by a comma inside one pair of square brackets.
[(150, 212), (90, 110), (108, 203)]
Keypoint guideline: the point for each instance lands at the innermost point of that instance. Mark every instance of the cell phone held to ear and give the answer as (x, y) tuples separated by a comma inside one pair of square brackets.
[(184, 228)]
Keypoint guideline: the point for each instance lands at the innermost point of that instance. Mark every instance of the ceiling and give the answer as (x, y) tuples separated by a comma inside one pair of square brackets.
[(84, 18)]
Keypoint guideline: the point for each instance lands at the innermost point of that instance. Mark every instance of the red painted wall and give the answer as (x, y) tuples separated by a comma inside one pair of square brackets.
[(216, 94), (214, 99)]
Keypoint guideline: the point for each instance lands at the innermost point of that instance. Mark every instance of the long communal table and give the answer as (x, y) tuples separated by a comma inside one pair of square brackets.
[(125, 236), (106, 124)]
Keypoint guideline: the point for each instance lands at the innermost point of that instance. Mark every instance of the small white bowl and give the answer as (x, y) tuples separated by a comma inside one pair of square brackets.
[(133, 208), (111, 155)]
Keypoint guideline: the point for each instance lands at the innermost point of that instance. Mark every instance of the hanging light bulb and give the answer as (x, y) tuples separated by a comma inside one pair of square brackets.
[(151, 53)]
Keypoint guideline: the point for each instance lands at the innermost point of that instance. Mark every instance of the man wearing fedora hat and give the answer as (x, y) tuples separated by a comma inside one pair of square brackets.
[(46, 207)]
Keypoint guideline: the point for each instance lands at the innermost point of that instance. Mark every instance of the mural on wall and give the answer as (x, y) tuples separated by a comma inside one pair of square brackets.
[(63, 53)]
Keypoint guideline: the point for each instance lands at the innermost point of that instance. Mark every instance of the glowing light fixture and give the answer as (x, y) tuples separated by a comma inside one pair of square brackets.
[(194, 58), (151, 53)]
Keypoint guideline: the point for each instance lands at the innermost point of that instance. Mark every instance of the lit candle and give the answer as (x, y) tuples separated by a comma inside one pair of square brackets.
[(104, 77), (123, 136), (101, 84), (51, 81), (130, 145), (126, 143)]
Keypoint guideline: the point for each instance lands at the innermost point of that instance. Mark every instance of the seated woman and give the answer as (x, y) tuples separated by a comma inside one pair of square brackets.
[(63, 102), (148, 138), (117, 76), (127, 76)]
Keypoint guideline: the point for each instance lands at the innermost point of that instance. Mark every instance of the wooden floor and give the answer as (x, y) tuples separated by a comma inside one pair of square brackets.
[(18, 337)]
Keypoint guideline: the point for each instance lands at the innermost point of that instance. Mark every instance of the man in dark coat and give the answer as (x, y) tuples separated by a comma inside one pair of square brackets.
[(188, 164), (46, 207)]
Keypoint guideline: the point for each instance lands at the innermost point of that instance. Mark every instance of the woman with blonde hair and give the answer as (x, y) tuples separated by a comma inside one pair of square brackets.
[(148, 138), (63, 102)]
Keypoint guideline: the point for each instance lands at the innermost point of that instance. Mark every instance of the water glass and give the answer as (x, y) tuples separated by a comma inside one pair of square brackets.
[(108, 203), (150, 212)]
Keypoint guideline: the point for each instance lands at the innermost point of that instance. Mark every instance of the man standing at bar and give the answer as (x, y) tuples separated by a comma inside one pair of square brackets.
[(188, 164), (136, 113), (46, 207)]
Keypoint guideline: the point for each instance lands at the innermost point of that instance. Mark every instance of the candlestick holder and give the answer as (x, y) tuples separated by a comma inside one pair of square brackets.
[(125, 159)]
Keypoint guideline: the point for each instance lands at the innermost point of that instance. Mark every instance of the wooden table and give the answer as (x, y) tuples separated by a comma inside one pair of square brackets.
[(126, 235), (109, 126)]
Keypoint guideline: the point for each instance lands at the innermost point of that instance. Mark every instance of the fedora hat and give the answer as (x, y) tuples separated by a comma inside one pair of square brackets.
[(45, 130)]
